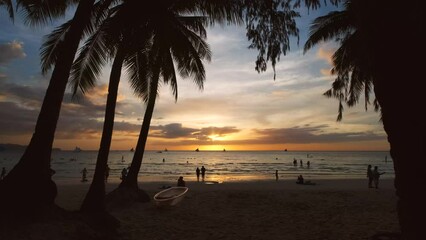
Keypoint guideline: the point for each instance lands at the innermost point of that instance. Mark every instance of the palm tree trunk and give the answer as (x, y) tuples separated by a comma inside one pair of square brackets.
[(31, 177), (95, 198), (399, 89), (406, 136), (132, 177)]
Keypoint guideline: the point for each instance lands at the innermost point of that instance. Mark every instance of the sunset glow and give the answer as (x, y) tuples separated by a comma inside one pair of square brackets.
[(239, 109)]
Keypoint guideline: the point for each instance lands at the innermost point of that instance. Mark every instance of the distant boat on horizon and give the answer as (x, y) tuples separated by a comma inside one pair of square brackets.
[(197, 150), (224, 150), (77, 149), (165, 150), (132, 150)]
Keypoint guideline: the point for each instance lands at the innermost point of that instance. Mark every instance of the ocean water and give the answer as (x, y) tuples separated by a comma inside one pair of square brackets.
[(221, 166)]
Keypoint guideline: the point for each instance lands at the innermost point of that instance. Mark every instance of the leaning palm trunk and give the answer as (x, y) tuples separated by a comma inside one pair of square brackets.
[(406, 134), (398, 85), (95, 198), (132, 178), (128, 191), (407, 147), (31, 177)]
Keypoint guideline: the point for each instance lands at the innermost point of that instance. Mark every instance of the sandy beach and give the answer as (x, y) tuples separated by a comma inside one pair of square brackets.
[(331, 209)]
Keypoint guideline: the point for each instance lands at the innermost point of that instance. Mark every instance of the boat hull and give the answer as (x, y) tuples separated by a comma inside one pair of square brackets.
[(170, 196)]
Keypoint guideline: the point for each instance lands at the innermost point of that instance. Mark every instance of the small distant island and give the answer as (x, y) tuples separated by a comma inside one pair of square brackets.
[(17, 147)]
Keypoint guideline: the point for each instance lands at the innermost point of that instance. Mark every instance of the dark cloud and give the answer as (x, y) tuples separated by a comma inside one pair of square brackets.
[(10, 51), (204, 133), (173, 130), (79, 118), (16, 120), (310, 134)]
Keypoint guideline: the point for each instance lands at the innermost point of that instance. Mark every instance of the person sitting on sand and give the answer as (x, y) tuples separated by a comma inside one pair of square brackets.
[(181, 182), (300, 179)]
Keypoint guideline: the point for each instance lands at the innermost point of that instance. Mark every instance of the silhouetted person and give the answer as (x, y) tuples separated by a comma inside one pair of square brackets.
[(3, 173), (197, 171), (301, 163), (376, 176), (370, 176), (276, 175), (107, 169), (181, 182), (203, 172), (300, 179), (164, 159), (308, 164), (294, 162), (123, 174), (84, 175)]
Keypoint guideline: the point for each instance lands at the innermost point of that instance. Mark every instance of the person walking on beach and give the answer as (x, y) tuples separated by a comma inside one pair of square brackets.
[(123, 174), (203, 172), (376, 176), (3, 173), (84, 175), (276, 175), (370, 176), (181, 182), (197, 172), (107, 169)]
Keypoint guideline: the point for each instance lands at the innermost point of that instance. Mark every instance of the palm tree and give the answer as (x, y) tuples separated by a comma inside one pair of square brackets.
[(125, 46), (129, 38), (32, 174), (369, 56)]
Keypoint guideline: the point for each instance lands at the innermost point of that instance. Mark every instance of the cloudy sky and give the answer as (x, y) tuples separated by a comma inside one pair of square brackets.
[(239, 109)]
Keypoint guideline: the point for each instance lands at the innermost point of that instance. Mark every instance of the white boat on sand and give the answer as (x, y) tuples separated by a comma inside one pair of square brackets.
[(170, 196)]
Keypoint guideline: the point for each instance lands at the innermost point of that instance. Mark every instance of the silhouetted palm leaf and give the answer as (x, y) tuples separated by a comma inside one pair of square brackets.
[(36, 12), (9, 6)]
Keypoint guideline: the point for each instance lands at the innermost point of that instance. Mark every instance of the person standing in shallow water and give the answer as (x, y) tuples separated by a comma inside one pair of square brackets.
[(376, 176), (197, 172), (203, 172), (84, 175), (370, 176), (107, 173), (276, 175)]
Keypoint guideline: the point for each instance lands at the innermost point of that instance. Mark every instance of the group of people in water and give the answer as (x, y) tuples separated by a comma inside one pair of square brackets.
[(308, 163)]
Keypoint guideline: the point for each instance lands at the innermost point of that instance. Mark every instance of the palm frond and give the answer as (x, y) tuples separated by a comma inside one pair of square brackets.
[(333, 25), (36, 12), (139, 74), (52, 46), (9, 7), (169, 74), (87, 67)]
